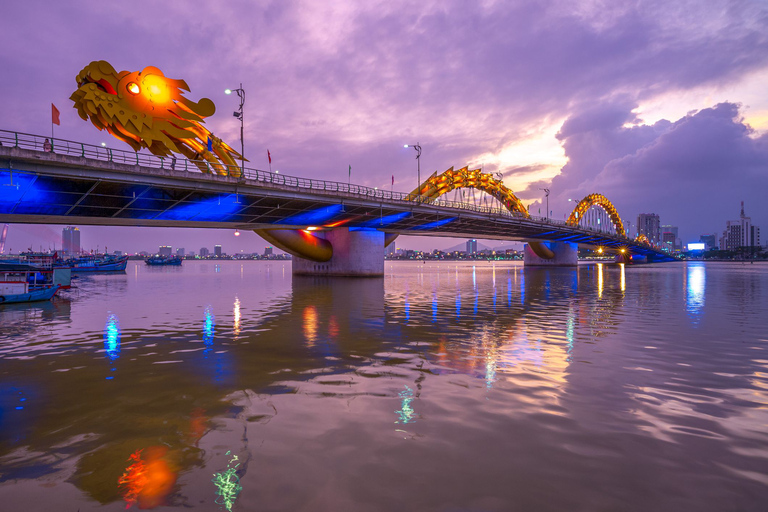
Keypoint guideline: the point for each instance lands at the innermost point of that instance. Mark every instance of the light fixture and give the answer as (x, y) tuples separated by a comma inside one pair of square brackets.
[(227, 91), (103, 144), (312, 228), (237, 232)]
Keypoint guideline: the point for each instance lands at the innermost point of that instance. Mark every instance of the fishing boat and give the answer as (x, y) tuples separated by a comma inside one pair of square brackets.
[(98, 263), (163, 260), (38, 274), (21, 284)]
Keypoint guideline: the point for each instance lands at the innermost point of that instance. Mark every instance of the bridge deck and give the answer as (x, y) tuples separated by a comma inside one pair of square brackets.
[(52, 188)]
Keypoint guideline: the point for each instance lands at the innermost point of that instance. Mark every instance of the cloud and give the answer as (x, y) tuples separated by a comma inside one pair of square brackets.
[(693, 172)]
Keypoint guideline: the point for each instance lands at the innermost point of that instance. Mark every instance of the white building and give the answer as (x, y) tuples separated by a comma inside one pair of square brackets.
[(740, 233)]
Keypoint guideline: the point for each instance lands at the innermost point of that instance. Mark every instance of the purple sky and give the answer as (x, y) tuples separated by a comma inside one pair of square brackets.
[(661, 106)]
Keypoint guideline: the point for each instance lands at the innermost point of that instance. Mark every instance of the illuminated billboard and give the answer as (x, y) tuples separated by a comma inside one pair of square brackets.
[(698, 246)]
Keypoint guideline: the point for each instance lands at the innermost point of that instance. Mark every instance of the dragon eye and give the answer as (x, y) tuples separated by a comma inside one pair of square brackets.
[(133, 88)]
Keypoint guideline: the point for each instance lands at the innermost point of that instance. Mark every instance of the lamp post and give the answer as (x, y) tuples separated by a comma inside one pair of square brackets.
[(546, 194), (239, 114), (417, 147)]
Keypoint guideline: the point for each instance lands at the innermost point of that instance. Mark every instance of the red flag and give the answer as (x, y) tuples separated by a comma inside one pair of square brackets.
[(55, 115), (269, 156)]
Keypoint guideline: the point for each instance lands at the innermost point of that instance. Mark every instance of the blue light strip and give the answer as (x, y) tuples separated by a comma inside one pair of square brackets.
[(313, 217), (435, 224)]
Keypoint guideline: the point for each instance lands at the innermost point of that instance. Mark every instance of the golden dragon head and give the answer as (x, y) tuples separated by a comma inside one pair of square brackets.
[(147, 109)]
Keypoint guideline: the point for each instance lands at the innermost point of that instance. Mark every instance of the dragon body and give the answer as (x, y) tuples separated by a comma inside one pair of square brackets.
[(145, 109)]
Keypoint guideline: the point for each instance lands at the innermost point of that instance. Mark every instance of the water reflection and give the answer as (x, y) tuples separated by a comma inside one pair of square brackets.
[(236, 315), (227, 483), (406, 413), (695, 288), (310, 325), (112, 337), (149, 479), (599, 280), (209, 325), (586, 364)]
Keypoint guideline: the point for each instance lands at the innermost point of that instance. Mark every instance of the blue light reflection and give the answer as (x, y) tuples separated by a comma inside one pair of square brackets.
[(112, 337)]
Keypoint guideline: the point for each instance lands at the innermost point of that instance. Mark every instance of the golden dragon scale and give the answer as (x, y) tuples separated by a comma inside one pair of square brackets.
[(146, 109)]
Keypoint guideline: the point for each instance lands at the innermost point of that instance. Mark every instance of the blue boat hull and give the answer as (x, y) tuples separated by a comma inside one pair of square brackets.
[(117, 266), (33, 296)]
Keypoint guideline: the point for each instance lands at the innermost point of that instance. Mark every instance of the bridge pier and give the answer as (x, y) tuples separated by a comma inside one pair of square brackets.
[(563, 254), (356, 253)]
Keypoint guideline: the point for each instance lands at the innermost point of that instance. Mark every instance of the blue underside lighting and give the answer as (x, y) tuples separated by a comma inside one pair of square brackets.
[(386, 220), (213, 209), (18, 187), (313, 217), (436, 224)]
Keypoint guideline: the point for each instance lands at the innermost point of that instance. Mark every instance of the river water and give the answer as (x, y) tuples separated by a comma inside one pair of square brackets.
[(441, 387)]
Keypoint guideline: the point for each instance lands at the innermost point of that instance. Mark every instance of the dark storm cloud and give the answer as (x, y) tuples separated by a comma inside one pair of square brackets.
[(693, 172)]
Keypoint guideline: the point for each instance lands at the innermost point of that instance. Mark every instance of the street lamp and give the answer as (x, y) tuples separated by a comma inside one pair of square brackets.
[(417, 147), (546, 193), (239, 114)]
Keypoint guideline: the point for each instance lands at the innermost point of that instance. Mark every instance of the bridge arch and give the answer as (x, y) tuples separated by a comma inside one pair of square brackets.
[(438, 185), (597, 200)]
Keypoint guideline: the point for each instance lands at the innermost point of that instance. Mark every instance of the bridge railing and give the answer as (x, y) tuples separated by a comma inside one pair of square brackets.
[(108, 154)]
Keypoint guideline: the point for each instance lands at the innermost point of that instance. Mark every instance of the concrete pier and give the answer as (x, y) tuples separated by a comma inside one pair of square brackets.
[(565, 254), (356, 253)]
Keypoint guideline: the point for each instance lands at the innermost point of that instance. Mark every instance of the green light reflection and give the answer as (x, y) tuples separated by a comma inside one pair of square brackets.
[(228, 484)]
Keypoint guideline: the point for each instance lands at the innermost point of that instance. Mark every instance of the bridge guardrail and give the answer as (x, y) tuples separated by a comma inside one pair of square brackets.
[(107, 154)]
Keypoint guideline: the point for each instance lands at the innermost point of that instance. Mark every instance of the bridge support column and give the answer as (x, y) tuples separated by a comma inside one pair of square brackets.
[(565, 254), (634, 259), (356, 252)]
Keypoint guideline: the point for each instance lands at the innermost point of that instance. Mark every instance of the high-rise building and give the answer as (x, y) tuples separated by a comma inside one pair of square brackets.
[(648, 224), (710, 240), (391, 249), (164, 250), (740, 233), (204, 252), (70, 240), (669, 235), (217, 251), (268, 251), (472, 246), (180, 252)]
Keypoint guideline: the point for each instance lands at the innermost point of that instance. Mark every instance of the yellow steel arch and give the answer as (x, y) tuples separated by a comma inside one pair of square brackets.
[(438, 185), (601, 201), (642, 239)]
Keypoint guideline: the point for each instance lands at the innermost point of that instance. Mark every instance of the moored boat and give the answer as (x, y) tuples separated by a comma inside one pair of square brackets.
[(21, 284), (99, 264), (163, 260)]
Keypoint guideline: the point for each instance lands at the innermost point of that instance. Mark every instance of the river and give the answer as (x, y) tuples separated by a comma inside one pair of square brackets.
[(470, 386)]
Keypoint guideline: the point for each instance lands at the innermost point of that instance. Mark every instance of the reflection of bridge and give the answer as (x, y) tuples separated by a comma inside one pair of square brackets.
[(334, 228)]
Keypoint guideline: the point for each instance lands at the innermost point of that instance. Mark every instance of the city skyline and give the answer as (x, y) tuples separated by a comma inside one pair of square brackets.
[(648, 106)]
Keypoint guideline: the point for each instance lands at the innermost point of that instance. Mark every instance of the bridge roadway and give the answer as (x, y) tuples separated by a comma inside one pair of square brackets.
[(88, 185)]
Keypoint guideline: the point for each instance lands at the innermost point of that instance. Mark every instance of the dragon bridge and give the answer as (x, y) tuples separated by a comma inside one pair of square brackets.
[(308, 246), (437, 185), (601, 201)]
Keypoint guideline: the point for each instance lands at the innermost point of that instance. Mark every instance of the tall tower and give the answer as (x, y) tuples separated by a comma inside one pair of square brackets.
[(70, 240), (648, 224)]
